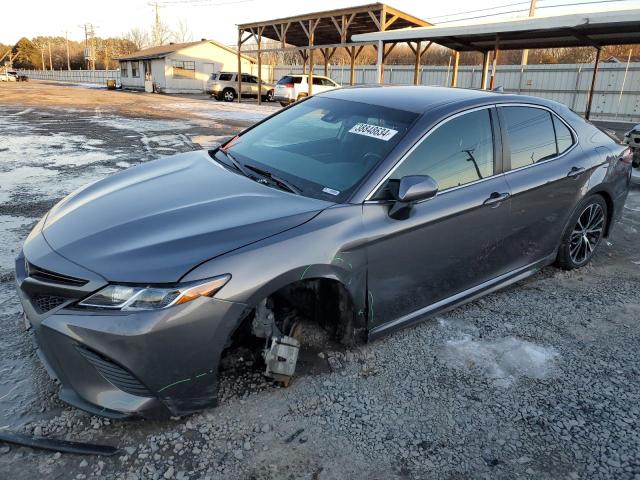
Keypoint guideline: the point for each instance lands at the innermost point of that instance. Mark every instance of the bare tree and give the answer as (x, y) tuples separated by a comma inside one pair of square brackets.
[(182, 33), (138, 37)]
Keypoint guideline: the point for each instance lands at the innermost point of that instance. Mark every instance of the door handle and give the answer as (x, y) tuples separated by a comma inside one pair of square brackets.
[(575, 172), (496, 198)]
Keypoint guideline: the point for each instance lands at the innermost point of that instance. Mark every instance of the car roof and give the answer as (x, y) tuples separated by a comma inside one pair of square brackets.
[(419, 99), (303, 75)]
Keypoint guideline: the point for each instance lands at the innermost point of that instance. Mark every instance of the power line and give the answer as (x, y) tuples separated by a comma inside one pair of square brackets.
[(526, 10), (202, 3), (480, 10)]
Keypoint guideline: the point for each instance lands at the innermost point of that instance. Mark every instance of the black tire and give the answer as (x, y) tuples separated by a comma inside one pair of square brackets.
[(284, 104), (228, 94), (269, 97), (583, 234)]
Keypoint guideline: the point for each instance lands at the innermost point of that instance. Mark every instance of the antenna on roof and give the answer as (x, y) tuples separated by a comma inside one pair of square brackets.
[(498, 89)]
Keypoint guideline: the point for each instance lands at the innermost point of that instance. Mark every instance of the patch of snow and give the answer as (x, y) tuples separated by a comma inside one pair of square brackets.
[(504, 360), (141, 125), (239, 112)]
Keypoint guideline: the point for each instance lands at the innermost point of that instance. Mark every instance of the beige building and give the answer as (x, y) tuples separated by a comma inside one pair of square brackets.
[(179, 67)]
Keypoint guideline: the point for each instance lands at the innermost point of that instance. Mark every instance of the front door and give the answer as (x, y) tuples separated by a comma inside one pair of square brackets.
[(449, 243)]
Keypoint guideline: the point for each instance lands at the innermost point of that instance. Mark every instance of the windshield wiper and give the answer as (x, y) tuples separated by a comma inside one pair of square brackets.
[(277, 180), (238, 166)]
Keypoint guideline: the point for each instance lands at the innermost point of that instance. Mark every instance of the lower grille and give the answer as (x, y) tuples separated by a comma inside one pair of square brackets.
[(44, 303), (115, 374)]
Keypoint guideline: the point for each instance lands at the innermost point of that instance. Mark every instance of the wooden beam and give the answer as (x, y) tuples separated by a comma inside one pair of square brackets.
[(494, 67), (390, 21), (387, 51), (416, 66), (239, 78), (312, 29), (454, 75), (485, 70), (259, 43), (375, 20), (306, 31)]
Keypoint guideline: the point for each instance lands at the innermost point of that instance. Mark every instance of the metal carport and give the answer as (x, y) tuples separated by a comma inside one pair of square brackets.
[(597, 29), (325, 31)]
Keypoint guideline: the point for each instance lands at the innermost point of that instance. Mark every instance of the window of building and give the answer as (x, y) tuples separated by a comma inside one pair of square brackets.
[(458, 152), (124, 69), (530, 135), (184, 69), (135, 72)]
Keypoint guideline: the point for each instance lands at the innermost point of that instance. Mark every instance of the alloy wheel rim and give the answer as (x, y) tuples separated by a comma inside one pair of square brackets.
[(228, 96), (586, 234)]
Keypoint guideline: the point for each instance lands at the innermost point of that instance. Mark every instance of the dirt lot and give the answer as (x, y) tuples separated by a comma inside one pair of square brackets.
[(540, 380)]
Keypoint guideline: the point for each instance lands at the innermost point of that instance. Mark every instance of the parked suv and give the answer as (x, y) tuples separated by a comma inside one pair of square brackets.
[(8, 76), (224, 86), (292, 88)]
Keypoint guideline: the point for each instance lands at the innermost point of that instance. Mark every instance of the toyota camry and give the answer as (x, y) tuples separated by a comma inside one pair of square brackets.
[(363, 210)]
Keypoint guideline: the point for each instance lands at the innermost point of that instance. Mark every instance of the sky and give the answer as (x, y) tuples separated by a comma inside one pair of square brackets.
[(217, 19)]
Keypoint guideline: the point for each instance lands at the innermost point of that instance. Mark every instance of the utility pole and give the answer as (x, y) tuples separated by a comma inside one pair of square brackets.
[(532, 12), (90, 45), (156, 26), (42, 56), (66, 38), (50, 61)]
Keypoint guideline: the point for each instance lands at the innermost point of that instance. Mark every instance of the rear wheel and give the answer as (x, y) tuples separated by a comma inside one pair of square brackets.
[(284, 104), (584, 233), (268, 97), (228, 95)]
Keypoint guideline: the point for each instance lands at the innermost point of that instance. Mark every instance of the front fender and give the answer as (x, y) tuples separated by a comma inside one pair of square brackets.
[(328, 246)]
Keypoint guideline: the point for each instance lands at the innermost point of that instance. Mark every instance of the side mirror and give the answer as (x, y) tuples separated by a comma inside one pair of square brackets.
[(412, 188)]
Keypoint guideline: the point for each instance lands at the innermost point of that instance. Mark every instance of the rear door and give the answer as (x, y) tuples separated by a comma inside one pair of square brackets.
[(449, 243), (545, 170)]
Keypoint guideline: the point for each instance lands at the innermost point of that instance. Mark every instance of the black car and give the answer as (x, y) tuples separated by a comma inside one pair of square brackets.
[(363, 209)]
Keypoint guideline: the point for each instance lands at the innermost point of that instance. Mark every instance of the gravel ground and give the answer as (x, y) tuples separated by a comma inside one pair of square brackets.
[(540, 380)]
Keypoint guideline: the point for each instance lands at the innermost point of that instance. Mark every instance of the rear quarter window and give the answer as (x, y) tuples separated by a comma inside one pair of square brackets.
[(225, 77)]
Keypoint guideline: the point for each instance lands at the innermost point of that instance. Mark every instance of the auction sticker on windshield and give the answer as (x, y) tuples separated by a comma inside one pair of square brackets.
[(374, 131)]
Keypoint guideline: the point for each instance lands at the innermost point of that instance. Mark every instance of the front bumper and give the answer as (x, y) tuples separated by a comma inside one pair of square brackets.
[(283, 99), (152, 364)]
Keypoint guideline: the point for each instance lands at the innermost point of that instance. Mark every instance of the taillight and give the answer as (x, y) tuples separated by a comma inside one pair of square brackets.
[(288, 85)]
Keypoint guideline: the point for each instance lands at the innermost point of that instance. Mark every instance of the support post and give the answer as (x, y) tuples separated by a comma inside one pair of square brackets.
[(485, 70), (456, 63), (312, 28), (416, 66), (239, 66), (352, 66), (379, 65), (259, 42), (494, 67), (587, 114)]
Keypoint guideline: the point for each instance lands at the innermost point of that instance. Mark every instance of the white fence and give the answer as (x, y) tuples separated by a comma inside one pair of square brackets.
[(617, 92), (96, 77)]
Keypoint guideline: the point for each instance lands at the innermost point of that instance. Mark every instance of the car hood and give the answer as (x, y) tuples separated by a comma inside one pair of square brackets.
[(154, 222)]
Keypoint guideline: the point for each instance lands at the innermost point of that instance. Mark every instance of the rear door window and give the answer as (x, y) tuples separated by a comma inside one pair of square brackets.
[(563, 135), (530, 135), (459, 151)]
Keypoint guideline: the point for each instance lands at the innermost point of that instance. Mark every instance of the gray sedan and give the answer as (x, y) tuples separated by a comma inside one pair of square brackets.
[(364, 210)]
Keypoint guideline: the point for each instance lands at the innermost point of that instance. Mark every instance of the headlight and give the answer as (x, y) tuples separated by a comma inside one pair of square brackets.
[(126, 297)]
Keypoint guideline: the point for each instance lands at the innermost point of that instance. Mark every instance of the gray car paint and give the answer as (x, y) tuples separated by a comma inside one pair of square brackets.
[(450, 249), (156, 221)]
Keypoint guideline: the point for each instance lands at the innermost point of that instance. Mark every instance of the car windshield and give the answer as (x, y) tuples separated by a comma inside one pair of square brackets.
[(323, 146)]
